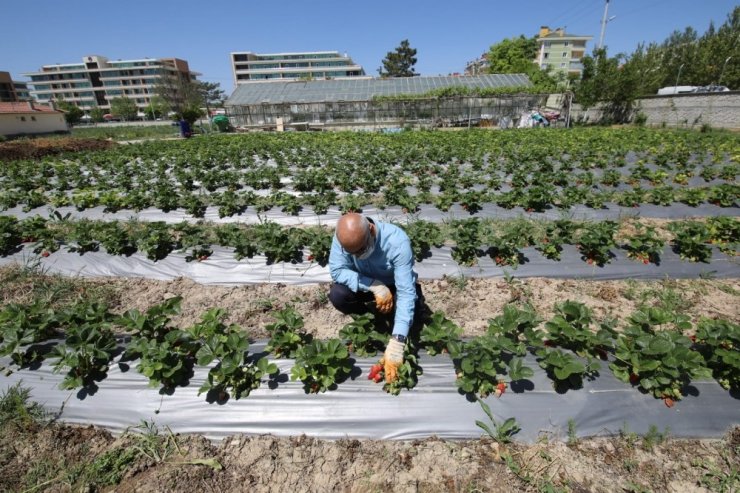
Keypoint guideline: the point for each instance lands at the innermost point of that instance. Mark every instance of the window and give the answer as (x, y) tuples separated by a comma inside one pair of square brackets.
[(565, 54), (562, 65), (23, 118), (565, 43), (547, 55), (33, 118)]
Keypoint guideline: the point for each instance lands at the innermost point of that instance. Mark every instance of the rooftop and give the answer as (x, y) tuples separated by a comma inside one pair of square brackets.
[(360, 89), (25, 107)]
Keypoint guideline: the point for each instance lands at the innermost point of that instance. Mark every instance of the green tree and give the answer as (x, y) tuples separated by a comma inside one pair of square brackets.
[(124, 107), (156, 108), (609, 80), (513, 56), (72, 114), (517, 56), (96, 114), (399, 63)]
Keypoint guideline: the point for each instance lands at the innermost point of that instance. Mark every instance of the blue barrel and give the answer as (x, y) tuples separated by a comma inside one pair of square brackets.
[(185, 131)]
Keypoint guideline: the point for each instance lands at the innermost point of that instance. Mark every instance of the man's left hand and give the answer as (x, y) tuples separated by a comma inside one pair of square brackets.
[(392, 359)]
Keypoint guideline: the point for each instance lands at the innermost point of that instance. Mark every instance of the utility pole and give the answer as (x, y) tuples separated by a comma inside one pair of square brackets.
[(604, 20)]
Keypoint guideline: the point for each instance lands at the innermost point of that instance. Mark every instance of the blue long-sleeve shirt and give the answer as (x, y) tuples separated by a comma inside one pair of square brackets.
[(392, 263)]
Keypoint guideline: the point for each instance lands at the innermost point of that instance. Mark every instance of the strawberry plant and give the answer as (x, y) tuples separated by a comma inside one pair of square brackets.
[(166, 353), (564, 369), (465, 236), (725, 233), (286, 334), (21, 326), (229, 203), (115, 239), (277, 243), (10, 235), (361, 336), (515, 329), (570, 328), (156, 241), (232, 235), (321, 365), (441, 335), (233, 373), (481, 366), (718, 342), (538, 198), (408, 372), (195, 204), (504, 250), (87, 352), (661, 362), (595, 242), (690, 240), (82, 237), (644, 245), (423, 235), (318, 241), (724, 195)]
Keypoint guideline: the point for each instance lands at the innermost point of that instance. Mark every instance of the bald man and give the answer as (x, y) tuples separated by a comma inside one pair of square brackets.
[(372, 260)]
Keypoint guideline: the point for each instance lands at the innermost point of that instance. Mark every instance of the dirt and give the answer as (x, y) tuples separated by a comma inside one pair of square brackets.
[(59, 458), (38, 148), (470, 303)]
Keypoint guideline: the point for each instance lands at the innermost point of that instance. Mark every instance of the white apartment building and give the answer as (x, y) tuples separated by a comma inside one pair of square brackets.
[(98, 80), (560, 51), (255, 67)]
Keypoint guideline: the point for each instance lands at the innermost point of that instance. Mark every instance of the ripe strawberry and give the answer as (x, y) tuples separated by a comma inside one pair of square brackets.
[(45, 253), (202, 258), (668, 401), (500, 389), (590, 261), (693, 338), (310, 258), (634, 379), (378, 378)]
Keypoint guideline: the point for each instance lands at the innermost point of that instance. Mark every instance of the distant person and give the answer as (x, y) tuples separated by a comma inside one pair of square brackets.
[(185, 131), (373, 261)]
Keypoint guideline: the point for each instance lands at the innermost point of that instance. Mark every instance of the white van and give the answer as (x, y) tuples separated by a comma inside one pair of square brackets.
[(676, 90)]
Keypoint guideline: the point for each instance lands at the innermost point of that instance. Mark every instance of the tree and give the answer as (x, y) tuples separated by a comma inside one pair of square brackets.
[(96, 114), (124, 108), (513, 56), (72, 114), (212, 93), (611, 81), (399, 63), (156, 108), (517, 56)]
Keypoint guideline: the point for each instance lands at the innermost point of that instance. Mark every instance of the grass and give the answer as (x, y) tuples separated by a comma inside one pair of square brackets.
[(18, 410), (28, 283), (129, 132)]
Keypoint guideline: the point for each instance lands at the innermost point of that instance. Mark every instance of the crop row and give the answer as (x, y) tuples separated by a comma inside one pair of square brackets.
[(535, 198), (657, 351), (469, 239), (509, 169)]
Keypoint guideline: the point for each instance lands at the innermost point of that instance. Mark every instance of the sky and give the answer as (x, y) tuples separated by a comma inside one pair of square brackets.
[(446, 34)]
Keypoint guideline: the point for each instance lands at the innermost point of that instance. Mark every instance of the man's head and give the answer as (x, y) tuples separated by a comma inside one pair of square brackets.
[(356, 234)]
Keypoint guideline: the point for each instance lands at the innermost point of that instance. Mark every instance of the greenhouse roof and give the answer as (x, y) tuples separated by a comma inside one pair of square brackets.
[(361, 89)]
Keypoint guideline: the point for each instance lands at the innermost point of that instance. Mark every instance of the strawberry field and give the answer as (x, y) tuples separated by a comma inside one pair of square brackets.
[(491, 215)]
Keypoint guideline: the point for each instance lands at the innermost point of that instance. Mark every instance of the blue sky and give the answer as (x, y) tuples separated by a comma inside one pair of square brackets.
[(446, 33)]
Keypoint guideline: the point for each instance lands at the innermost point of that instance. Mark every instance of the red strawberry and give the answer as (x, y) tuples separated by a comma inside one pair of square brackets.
[(45, 253), (693, 338), (202, 258), (378, 378), (310, 258), (668, 401), (590, 261), (634, 379), (500, 389)]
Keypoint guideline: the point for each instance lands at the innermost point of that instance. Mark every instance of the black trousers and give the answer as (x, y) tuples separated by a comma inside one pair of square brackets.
[(348, 302)]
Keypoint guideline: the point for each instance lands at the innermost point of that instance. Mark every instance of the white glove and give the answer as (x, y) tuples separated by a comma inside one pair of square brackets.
[(383, 296), (392, 359)]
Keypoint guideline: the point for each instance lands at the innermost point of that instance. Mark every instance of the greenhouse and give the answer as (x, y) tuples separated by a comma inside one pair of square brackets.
[(382, 103)]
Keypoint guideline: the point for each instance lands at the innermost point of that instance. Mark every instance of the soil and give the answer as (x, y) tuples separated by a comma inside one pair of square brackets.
[(38, 148), (60, 458)]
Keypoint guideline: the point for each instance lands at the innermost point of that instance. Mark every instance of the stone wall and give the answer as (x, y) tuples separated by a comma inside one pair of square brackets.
[(719, 110)]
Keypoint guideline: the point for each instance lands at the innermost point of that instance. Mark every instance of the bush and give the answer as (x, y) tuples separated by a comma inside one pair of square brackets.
[(640, 119)]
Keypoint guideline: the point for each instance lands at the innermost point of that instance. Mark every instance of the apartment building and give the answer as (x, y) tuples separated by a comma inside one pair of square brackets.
[(479, 66), (12, 90), (560, 51), (256, 67), (98, 80)]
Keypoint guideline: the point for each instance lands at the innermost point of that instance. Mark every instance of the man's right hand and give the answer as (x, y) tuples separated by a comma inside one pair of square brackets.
[(383, 296)]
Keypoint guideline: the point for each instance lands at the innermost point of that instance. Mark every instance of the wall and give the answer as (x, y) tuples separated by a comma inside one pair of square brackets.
[(46, 123), (719, 110)]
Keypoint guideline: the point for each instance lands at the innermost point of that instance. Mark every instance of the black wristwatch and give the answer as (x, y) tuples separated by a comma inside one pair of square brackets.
[(399, 338)]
